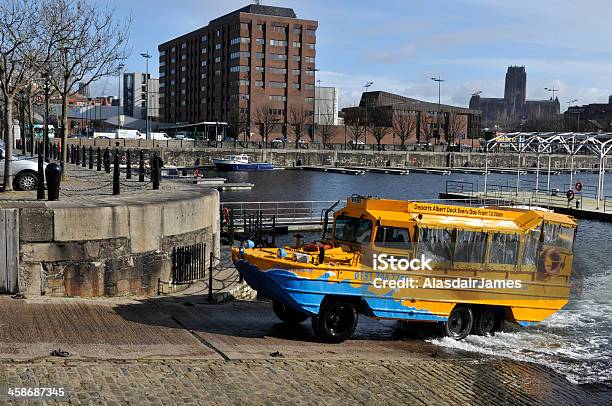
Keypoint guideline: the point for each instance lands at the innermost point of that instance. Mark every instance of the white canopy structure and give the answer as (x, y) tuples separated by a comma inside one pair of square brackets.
[(598, 144)]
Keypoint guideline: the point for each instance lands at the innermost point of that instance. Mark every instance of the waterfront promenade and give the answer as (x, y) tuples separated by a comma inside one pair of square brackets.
[(173, 350)]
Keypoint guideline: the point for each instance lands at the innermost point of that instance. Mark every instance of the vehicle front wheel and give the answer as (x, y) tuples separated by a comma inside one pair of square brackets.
[(287, 314), (460, 322), (488, 322), (336, 321), (25, 181)]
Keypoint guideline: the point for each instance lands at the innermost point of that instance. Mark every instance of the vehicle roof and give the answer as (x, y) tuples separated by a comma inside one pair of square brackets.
[(399, 212)]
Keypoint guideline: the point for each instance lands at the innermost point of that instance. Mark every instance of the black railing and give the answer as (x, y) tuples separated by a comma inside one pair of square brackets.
[(188, 263)]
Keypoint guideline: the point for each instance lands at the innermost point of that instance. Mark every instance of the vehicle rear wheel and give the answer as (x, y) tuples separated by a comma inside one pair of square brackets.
[(488, 321), (335, 322), (287, 314), (459, 323), (25, 181)]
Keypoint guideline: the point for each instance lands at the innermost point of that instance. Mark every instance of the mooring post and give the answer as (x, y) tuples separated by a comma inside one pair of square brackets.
[(155, 171), (116, 188), (210, 277), (90, 157), (40, 182), (128, 164), (99, 160), (107, 160), (141, 170), (78, 155)]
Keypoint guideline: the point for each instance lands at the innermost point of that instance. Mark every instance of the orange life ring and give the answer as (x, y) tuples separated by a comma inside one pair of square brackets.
[(196, 173), (552, 262), (570, 195)]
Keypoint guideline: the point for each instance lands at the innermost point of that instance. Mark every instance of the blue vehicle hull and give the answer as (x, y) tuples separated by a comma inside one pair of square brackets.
[(255, 166)]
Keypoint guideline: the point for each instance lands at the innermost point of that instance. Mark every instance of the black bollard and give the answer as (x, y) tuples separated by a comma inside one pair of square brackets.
[(53, 173), (78, 155), (90, 157), (141, 170), (99, 160), (155, 170), (107, 160), (116, 189), (128, 165), (40, 181), (84, 161)]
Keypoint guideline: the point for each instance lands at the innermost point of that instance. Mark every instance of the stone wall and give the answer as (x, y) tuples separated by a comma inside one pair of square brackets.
[(115, 250)]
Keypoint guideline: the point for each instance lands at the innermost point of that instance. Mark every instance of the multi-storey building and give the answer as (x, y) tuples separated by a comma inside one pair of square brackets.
[(135, 95), (326, 105), (255, 59)]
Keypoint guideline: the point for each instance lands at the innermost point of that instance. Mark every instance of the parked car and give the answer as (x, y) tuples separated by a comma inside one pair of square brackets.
[(25, 171)]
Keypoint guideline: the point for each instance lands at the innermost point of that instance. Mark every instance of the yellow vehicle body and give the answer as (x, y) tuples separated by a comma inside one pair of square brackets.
[(516, 261)]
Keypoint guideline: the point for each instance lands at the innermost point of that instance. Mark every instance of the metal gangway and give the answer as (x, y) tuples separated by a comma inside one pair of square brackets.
[(286, 213)]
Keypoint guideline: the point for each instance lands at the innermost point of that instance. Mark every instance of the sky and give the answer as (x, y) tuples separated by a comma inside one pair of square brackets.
[(400, 44)]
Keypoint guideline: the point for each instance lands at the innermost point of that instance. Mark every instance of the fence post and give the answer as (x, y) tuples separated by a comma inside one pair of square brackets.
[(40, 189), (90, 157), (99, 160), (210, 277), (155, 171), (141, 171), (116, 188), (128, 163), (78, 155), (84, 163)]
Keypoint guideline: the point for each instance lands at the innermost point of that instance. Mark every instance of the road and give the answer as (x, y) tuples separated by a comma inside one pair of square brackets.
[(182, 350)]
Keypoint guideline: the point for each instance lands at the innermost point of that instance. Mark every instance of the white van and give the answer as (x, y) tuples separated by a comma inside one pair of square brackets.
[(129, 134)]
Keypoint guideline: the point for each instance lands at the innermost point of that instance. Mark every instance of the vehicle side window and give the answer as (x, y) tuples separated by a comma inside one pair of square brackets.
[(353, 230), (393, 237), (470, 246), (557, 235), (436, 243), (532, 243), (504, 248)]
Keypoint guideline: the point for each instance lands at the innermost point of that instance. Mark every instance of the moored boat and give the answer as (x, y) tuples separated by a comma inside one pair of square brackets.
[(469, 269), (240, 163)]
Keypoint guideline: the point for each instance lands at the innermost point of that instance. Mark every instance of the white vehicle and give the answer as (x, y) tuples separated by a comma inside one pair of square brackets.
[(106, 136), (159, 136), (25, 171), (129, 135)]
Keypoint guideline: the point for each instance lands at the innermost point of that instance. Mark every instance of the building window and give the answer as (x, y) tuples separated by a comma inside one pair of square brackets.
[(218, 33), (278, 43), (204, 63), (172, 82), (235, 69), (183, 102), (260, 27), (240, 40), (297, 30), (218, 72), (278, 98), (278, 71), (183, 80), (204, 38), (162, 64), (203, 76), (162, 53), (162, 74), (218, 46), (259, 69), (173, 93), (183, 57), (295, 86), (310, 59), (203, 88), (309, 99), (173, 49), (260, 41), (279, 28), (259, 55), (183, 45), (244, 26), (217, 59), (183, 68), (297, 44), (278, 57), (310, 72), (172, 60), (309, 86), (297, 58), (259, 83), (162, 84), (310, 45), (172, 71), (183, 91), (204, 50), (296, 72), (311, 32), (278, 85), (242, 54)]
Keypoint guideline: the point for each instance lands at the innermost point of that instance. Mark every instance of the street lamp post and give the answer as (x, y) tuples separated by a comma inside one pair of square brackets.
[(439, 102), (552, 90), (120, 68), (147, 57), (366, 87)]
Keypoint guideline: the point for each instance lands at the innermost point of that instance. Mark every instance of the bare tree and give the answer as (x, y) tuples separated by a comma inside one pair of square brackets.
[(428, 127), (327, 129), (298, 121), (239, 121), (23, 51), (403, 125), (265, 120), (456, 125), (380, 120), (354, 119), (94, 46)]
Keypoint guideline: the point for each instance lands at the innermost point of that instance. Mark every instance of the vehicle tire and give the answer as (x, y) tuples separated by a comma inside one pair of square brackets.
[(26, 180), (287, 314), (488, 322), (335, 322), (460, 322)]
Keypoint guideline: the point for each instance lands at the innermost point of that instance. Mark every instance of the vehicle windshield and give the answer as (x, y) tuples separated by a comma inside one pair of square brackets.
[(353, 230)]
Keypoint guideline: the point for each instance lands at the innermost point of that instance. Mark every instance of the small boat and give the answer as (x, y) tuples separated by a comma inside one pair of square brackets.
[(240, 163)]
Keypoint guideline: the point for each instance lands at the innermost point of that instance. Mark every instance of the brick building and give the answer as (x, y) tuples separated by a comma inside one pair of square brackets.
[(255, 59), (590, 117)]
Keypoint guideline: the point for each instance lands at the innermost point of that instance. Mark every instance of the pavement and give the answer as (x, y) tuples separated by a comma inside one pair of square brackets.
[(182, 350)]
